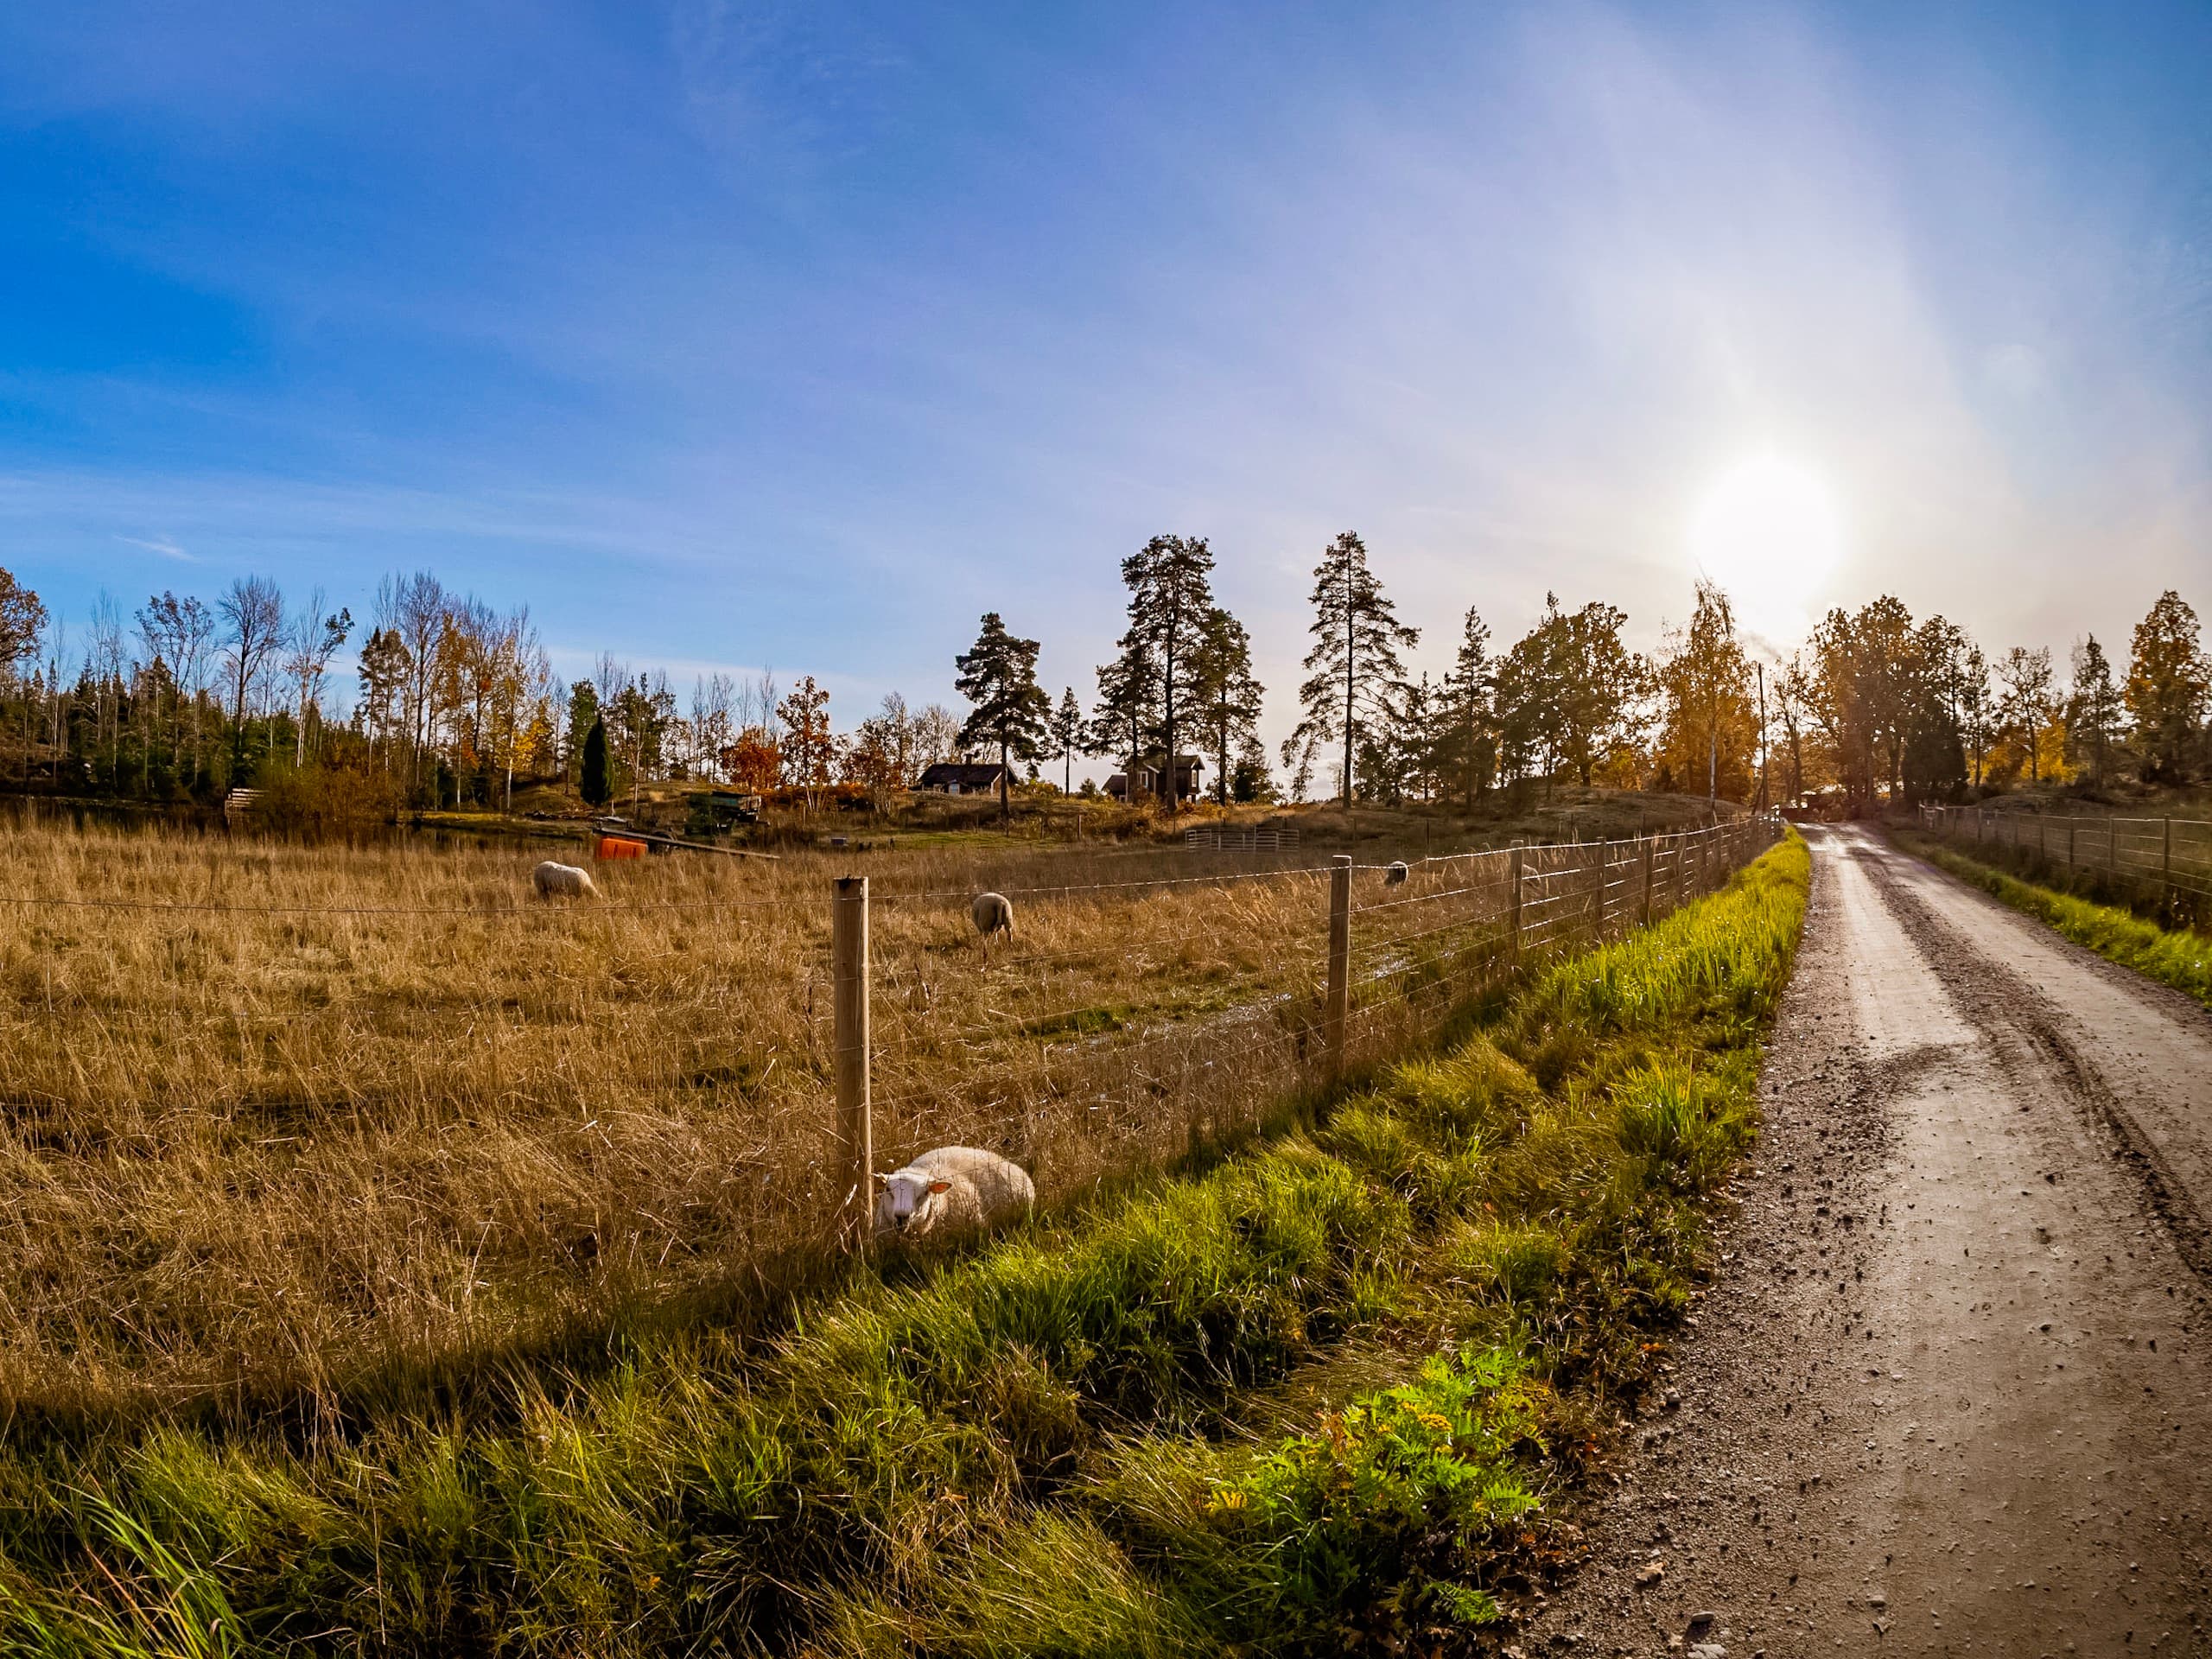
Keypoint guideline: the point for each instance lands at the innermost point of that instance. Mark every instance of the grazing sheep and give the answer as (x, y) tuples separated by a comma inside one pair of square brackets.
[(993, 913), (952, 1190), (1395, 875), (562, 881)]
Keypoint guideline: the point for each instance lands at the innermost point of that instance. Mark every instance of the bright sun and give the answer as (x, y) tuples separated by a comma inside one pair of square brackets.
[(1769, 533)]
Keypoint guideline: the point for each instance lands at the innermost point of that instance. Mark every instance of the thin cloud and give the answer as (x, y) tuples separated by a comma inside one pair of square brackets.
[(163, 545)]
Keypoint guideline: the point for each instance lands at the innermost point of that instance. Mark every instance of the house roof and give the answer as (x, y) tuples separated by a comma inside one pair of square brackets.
[(965, 773)]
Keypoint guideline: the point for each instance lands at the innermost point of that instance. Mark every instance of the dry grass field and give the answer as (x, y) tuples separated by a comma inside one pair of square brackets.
[(274, 1118)]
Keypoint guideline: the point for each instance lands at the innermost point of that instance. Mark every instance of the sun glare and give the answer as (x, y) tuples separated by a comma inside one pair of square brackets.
[(1769, 533)]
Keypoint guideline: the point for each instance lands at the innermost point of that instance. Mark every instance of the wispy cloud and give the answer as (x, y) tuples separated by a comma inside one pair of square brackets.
[(163, 545)]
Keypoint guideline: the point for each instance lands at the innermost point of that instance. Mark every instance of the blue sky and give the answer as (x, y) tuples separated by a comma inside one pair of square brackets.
[(797, 336)]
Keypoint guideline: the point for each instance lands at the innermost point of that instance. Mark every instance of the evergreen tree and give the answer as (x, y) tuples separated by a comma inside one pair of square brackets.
[(1067, 736), (597, 782), (998, 676), (1356, 670), (1466, 746), (1224, 697), (382, 671), (1252, 782), (583, 714), (1942, 661), (1122, 721), (1171, 600), (1974, 707), (2094, 710)]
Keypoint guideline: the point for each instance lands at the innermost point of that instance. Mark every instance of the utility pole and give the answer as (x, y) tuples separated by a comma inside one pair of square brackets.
[(1760, 668)]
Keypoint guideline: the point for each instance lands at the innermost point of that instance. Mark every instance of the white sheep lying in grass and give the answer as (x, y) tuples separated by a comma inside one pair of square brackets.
[(993, 913), (950, 1191), (562, 881)]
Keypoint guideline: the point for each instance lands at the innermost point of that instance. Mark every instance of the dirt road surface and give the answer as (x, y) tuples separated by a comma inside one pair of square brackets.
[(1952, 1391)]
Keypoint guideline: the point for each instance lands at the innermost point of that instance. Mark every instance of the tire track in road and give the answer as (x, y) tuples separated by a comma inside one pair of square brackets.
[(1951, 1392), (2160, 1132)]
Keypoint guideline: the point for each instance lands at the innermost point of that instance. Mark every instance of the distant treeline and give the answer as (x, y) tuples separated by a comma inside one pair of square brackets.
[(183, 699)]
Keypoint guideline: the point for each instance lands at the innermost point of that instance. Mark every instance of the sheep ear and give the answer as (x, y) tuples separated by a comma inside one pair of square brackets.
[(940, 1186), (881, 1180)]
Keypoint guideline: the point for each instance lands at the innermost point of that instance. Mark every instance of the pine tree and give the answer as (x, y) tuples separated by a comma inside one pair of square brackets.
[(1122, 721), (1356, 633), (1170, 601), (383, 672), (583, 714), (1974, 706), (2094, 710), (597, 784), (1466, 748), (998, 676), (1067, 734), (1252, 782), (1224, 697)]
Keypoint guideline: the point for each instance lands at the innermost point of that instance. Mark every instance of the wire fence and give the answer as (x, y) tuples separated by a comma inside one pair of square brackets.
[(2160, 857), (1083, 1089), (290, 1104)]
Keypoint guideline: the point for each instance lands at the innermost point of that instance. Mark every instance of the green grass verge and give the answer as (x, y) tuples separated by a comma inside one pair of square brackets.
[(2180, 958), (1311, 1399)]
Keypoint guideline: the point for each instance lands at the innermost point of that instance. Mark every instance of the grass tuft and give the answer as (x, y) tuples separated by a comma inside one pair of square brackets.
[(2181, 957), (1075, 1441)]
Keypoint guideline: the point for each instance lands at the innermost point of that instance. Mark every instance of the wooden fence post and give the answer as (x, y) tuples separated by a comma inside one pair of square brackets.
[(1513, 901), (1339, 1000), (2166, 860), (2069, 844), (849, 983), (1647, 845), (2112, 844)]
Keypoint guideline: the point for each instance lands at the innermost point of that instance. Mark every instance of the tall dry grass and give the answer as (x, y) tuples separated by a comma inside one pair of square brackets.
[(272, 1117)]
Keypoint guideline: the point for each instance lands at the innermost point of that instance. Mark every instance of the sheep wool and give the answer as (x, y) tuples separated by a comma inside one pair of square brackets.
[(993, 913), (562, 881), (950, 1191)]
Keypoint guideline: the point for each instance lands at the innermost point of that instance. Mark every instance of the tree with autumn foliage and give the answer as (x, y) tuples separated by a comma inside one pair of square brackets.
[(809, 748), (2169, 690), (1708, 732)]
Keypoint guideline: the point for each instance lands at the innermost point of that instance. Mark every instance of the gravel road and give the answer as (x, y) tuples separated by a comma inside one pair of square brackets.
[(1951, 1392)]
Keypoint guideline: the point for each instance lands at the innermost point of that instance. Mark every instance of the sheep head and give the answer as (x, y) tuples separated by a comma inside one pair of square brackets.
[(907, 1203)]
